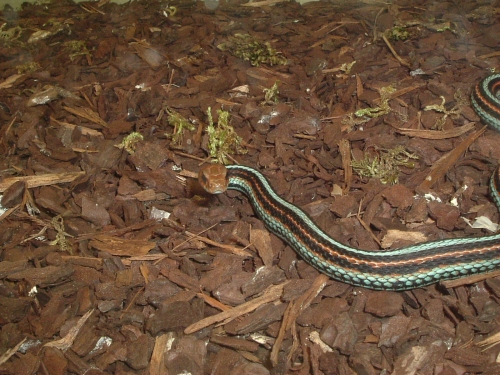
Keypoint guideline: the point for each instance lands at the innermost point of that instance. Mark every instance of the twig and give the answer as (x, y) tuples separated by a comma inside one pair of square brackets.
[(293, 311), (444, 164), (41, 180), (189, 239), (271, 294), (436, 134), (10, 352), (263, 3), (232, 249), (367, 227), (375, 33), (472, 279), (399, 58), (345, 153), (180, 153)]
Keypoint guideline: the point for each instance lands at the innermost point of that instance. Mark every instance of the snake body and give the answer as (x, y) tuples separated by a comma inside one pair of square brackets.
[(399, 269), (485, 101)]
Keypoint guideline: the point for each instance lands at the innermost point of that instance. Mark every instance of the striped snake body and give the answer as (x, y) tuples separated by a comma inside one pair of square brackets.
[(399, 269)]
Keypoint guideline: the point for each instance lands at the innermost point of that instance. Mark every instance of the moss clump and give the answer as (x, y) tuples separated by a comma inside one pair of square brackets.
[(10, 37), (271, 94), (179, 123), (398, 33), (76, 48), (61, 240), (251, 49), (130, 141), (222, 139), (383, 109), (364, 115), (28, 67), (385, 165), (460, 101)]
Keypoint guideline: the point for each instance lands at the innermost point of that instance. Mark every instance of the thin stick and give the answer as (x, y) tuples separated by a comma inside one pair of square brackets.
[(399, 58), (232, 249), (273, 293)]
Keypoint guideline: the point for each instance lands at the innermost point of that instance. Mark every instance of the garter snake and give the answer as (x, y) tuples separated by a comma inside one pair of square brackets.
[(399, 269)]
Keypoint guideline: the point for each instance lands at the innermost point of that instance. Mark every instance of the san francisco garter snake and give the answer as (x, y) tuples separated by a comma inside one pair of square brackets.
[(399, 269)]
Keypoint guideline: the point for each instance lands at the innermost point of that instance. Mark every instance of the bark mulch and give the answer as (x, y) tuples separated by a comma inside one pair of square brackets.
[(111, 264)]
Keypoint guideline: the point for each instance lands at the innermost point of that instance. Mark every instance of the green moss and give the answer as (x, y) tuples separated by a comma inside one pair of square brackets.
[(9, 37), (251, 49), (383, 109), (28, 67), (76, 48), (130, 141), (385, 165), (271, 94), (223, 140), (170, 11), (398, 33), (179, 123), (346, 67), (455, 112), (61, 241), (364, 115)]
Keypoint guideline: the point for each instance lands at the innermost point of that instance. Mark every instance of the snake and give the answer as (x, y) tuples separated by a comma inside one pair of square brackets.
[(398, 269)]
